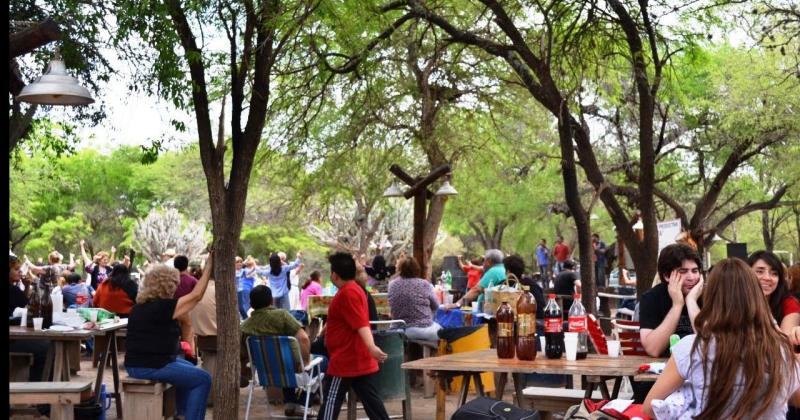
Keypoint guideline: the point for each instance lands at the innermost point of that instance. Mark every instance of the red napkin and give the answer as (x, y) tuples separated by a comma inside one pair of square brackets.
[(633, 410)]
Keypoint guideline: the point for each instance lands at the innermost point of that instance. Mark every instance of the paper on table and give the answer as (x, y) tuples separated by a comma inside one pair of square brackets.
[(618, 405)]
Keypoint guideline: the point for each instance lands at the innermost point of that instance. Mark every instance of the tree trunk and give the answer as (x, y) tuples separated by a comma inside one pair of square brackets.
[(572, 195), (766, 231), (432, 223), (227, 372)]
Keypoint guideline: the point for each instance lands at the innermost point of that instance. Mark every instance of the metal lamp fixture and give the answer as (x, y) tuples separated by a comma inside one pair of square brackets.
[(446, 188), (393, 191), (56, 87), (638, 225)]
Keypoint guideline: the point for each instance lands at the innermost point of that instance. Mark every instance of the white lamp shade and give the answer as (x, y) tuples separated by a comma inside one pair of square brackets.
[(393, 191), (638, 225), (56, 87), (446, 189)]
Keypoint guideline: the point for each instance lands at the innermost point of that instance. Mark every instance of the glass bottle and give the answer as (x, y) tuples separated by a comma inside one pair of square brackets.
[(47, 307), (505, 331), (526, 325), (34, 304)]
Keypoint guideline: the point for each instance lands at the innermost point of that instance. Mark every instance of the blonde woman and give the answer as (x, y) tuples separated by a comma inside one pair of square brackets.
[(153, 340)]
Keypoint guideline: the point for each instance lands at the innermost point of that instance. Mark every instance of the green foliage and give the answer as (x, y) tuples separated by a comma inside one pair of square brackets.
[(58, 234), (261, 241)]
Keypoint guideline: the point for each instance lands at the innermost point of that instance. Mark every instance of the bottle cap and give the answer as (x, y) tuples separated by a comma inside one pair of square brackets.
[(551, 295)]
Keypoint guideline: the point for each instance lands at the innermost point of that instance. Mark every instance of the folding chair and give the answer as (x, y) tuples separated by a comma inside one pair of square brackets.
[(273, 363), (630, 340)]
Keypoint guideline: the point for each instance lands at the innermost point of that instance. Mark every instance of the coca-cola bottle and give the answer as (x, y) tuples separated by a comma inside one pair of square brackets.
[(47, 307), (505, 331), (577, 324), (526, 325), (34, 304), (553, 329)]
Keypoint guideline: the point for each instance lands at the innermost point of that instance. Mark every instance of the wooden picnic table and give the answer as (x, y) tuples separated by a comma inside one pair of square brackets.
[(471, 364), (59, 359)]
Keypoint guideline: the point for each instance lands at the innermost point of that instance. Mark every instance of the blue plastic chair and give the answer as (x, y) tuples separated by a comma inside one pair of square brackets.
[(273, 364)]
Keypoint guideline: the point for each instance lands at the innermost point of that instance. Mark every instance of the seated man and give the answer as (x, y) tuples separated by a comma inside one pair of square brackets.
[(663, 310), (494, 273), (268, 320)]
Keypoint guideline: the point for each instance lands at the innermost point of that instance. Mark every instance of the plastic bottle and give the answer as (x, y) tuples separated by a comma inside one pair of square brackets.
[(553, 329), (505, 331), (577, 324), (448, 281), (526, 325)]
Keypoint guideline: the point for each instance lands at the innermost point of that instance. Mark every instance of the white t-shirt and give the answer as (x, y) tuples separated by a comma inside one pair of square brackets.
[(688, 401)]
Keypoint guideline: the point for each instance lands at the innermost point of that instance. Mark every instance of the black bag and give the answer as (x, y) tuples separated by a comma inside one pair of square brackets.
[(489, 408)]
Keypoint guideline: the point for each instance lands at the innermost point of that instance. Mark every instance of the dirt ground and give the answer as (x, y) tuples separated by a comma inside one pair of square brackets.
[(422, 408)]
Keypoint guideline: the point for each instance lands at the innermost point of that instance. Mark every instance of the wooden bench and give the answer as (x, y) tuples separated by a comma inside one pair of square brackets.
[(553, 400), (144, 399), (19, 366), (62, 396), (558, 400), (427, 380)]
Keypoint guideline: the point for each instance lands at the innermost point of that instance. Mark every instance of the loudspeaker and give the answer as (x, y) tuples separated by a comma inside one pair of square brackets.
[(738, 250)]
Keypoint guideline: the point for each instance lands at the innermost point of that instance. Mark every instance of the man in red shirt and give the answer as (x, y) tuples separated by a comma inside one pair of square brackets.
[(561, 254), (474, 270), (353, 355)]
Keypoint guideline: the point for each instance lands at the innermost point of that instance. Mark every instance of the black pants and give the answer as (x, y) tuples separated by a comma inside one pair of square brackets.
[(335, 389)]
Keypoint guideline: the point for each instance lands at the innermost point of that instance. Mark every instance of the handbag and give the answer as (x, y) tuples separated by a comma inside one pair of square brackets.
[(489, 408), (495, 296)]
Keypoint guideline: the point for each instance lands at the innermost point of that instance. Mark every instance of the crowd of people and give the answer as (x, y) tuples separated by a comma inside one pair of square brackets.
[(739, 327)]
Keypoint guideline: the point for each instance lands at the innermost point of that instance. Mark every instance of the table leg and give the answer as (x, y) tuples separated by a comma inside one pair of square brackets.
[(478, 383), (500, 379), (462, 399), (519, 384), (441, 396), (589, 389), (604, 389), (58, 366), (617, 384), (101, 366), (117, 394)]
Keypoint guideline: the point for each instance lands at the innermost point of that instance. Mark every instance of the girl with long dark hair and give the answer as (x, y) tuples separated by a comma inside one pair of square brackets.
[(118, 293), (739, 365), (785, 308)]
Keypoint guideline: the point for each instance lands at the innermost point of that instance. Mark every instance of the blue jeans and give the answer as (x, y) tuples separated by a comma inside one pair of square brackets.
[(283, 302), (192, 385), (243, 296)]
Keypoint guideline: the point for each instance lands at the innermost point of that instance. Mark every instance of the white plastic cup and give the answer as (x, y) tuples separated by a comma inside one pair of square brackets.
[(571, 347), (448, 298), (37, 323), (24, 317), (93, 316), (475, 306), (543, 342), (570, 336), (613, 348)]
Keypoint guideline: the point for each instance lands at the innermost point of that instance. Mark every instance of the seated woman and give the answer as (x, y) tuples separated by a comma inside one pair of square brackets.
[(153, 338), (118, 293), (738, 365), (18, 298), (311, 287), (412, 299), (784, 307)]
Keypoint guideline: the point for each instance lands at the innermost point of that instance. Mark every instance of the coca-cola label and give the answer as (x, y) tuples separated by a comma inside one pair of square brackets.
[(577, 324), (526, 325), (505, 329), (552, 325)]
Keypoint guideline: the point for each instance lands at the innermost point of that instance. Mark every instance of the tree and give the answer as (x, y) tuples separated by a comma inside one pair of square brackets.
[(261, 41), (165, 228)]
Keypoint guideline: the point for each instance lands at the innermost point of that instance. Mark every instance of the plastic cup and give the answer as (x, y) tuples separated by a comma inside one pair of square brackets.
[(543, 342), (613, 348), (93, 316), (571, 348), (37, 323), (570, 336), (475, 306)]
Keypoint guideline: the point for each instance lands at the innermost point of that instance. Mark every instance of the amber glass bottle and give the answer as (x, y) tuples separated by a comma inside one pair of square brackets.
[(526, 325), (505, 331)]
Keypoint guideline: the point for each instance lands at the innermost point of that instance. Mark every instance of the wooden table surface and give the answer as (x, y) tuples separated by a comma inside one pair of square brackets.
[(19, 332), (487, 361)]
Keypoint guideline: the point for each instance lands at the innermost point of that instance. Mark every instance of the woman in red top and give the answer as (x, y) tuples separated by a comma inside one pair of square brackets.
[(118, 294), (474, 270), (771, 276)]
